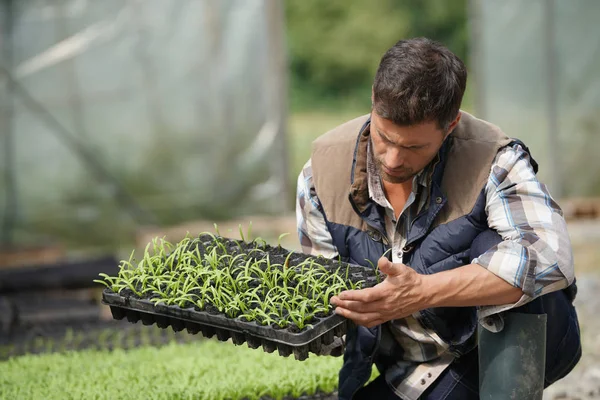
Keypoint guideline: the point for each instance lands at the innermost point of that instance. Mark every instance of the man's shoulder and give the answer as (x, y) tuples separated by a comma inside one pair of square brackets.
[(475, 129), (344, 133)]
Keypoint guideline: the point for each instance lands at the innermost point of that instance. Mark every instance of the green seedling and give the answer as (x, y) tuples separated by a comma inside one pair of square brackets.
[(281, 237), (239, 282)]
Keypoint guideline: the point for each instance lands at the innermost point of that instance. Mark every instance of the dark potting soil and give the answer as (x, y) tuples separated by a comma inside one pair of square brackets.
[(126, 292), (257, 251), (196, 308), (187, 304), (279, 260), (232, 246), (292, 283), (209, 308), (236, 273), (277, 251), (323, 314), (297, 258), (205, 239), (293, 328)]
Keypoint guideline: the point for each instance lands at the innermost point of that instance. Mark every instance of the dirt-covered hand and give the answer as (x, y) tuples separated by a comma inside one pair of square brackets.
[(399, 295)]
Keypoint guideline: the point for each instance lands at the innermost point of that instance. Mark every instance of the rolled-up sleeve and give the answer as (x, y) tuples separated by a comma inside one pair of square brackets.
[(314, 236), (535, 254)]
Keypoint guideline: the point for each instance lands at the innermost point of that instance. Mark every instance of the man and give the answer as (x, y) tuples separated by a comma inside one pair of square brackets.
[(468, 232)]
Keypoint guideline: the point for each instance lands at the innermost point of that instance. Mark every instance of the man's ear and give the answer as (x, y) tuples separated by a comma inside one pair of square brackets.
[(372, 97), (453, 124)]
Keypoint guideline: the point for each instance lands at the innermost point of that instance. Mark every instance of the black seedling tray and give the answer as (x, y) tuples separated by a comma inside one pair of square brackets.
[(311, 339), (321, 330)]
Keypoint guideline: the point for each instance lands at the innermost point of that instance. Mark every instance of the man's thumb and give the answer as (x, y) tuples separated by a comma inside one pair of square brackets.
[(387, 267)]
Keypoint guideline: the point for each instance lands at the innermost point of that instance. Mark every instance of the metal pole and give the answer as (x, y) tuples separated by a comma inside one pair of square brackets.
[(72, 87), (277, 86), (555, 164), (10, 178), (476, 58), (148, 69)]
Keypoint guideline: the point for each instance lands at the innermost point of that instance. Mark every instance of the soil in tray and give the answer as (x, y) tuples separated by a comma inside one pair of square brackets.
[(211, 309), (236, 278), (294, 329), (258, 250)]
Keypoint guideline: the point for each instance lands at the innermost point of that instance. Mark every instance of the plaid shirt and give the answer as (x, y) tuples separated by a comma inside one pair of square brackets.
[(535, 255)]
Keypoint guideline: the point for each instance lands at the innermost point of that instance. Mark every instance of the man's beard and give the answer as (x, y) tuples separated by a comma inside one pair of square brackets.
[(405, 174)]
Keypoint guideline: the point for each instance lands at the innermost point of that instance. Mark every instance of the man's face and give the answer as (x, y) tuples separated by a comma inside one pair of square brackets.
[(401, 152)]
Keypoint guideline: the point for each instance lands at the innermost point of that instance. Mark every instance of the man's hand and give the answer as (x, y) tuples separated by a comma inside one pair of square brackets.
[(398, 296), (404, 292)]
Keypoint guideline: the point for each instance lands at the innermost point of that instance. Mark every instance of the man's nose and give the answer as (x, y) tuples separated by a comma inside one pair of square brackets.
[(394, 158)]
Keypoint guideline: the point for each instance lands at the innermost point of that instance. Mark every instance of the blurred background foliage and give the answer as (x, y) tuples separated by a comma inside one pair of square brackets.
[(201, 68), (334, 46)]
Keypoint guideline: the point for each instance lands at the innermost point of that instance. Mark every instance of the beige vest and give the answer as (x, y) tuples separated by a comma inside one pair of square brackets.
[(474, 145)]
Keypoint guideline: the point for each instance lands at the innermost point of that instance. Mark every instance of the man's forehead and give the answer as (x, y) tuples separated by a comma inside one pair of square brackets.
[(419, 134)]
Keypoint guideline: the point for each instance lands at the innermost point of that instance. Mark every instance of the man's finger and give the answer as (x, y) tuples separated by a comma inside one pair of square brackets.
[(366, 319), (365, 295), (389, 268), (359, 306), (374, 323)]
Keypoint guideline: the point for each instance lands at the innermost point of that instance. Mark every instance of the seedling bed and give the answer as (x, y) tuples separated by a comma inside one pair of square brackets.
[(99, 335), (249, 292), (68, 274)]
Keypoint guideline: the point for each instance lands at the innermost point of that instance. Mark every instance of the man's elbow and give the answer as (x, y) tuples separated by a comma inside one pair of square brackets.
[(514, 295)]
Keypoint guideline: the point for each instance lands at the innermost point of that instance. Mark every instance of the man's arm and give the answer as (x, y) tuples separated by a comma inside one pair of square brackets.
[(405, 292), (535, 254), (533, 259), (468, 286), (314, 236)]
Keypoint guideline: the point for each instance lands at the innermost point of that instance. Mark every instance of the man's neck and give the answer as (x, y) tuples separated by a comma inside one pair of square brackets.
[(397, 194)]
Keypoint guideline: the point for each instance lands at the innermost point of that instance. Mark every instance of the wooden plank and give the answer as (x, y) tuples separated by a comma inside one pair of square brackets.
[(72, 274), (581, 208), (15, 257)]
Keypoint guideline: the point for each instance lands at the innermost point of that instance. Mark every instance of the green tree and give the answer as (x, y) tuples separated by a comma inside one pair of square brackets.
[(335, 45)]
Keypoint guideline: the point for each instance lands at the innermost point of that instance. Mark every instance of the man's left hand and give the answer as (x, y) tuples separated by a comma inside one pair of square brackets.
[(398, 296)]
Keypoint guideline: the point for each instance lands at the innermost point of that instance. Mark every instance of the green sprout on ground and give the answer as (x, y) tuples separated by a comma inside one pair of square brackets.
[(200, 370)]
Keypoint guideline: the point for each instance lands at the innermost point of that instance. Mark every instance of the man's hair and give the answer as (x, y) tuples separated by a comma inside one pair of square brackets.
[(419, 80)]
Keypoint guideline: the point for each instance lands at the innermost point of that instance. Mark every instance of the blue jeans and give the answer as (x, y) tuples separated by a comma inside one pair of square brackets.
[(461, 380)]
